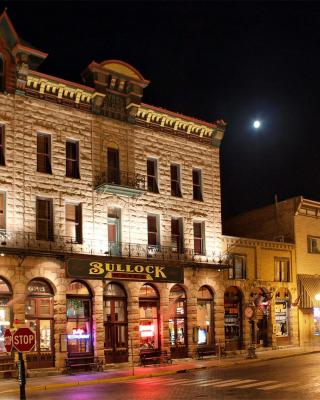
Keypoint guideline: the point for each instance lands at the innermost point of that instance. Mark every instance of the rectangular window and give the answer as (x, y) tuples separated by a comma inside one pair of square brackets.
[(2, 210), (313, 245), (113, 166), (198, 237), (177, 235), (44, 153), (2, 159), (197, 184), (175, 180), (152, 172), (72, 159), (44, 219), (74, 222), (153, 230), (282, 270), (238, 268)]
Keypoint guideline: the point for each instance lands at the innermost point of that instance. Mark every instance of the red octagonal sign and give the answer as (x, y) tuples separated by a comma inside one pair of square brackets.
[(8, 340), (24, 339)]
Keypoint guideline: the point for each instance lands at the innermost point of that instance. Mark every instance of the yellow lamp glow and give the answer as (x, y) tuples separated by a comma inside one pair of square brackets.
[(317, 296)]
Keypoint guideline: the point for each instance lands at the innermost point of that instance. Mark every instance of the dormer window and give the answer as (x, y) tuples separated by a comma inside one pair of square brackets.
[(2, 74)]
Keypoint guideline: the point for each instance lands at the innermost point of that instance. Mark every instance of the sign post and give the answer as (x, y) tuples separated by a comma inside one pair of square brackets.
[(23, 340)]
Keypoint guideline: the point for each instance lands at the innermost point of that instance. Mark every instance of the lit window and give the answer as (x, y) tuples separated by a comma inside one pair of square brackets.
[(152, 175), (175, 180), (282, 270), (197, 184), (238, 268), (44, 153), (72, 159)]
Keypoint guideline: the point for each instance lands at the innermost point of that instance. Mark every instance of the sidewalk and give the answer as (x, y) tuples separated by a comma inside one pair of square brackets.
[(121, 374)]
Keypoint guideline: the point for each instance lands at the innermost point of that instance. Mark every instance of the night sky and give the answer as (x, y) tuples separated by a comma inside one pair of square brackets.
[(211, 60)]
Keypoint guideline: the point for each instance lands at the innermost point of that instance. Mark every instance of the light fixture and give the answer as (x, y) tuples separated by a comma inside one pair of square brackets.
[(317, 296), (2, 254)]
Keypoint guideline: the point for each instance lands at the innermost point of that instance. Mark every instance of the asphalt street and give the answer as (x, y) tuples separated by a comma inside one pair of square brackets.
[(293, 378)]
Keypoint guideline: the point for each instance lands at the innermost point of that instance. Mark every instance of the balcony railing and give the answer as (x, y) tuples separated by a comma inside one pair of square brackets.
[(116, 181), (29, 243)]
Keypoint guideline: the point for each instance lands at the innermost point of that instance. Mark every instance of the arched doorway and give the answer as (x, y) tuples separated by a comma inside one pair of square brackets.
[(79, 319), (233, 318), (205, 320), (261, 300), (178, 322), (282, 316), (149, 319), (39, 317), (115, 323)]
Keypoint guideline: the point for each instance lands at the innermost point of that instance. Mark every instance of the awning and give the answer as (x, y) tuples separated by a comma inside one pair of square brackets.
[(308, 287)]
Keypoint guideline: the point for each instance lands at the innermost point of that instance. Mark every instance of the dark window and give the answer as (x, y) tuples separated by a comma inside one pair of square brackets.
[(175, 180), (197, 184), (153, 236), (2, 74), (238, 268), (72, 159), (282, 270), (2, 159), (177, 235), (113, 166), (44, 219), (2, 210), (152, 175), (43, 153), (198, 237), (73, 222), (313, 245)]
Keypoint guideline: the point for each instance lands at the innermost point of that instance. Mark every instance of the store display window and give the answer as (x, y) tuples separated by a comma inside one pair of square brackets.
[(79, 318), (149, 318), (177, 316), (5, 311), (316, 319), (232, 318), (205, 316)]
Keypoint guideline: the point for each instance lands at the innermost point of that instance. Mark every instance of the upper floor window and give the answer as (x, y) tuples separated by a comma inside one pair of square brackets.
[(153, 230), (313, 244), (152, 172), (2, 74), (2, 159), (175, 180), (238, 267), (113, 166), (72, 159), (177, 235), (2, 210), (197, 184), (44, 215), (281, 270), (44, 153), (74, 222), (198, 237)]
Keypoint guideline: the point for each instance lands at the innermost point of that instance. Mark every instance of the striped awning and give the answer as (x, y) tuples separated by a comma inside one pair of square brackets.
[(308, 287)]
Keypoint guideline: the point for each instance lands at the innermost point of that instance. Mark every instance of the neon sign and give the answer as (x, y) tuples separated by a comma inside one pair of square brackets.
[(78, 334), (146, 330)]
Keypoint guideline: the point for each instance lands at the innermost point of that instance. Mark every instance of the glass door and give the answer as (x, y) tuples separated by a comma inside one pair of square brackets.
[(178, 323)]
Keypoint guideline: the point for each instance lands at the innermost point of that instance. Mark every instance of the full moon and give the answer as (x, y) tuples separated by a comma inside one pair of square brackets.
[(256, 124)]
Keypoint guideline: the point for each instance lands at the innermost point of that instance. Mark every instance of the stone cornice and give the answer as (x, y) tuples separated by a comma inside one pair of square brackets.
[(237, 241)]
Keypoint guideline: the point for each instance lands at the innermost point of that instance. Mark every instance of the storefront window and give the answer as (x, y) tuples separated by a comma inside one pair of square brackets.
[(79, 323), (5, 311), (178, 322), (232, 318), (205, 316), (281, 314), (316, 316), (148, 312)]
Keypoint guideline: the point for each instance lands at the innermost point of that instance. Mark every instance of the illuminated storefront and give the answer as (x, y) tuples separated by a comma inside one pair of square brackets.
[(149, 318), (233, 318), (178, 322), (39, 317), (5, 311), (282, 316), (205, 326), (79, 319)]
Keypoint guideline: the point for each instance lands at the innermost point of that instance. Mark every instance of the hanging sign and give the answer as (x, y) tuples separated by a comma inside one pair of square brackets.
[(142, 271)]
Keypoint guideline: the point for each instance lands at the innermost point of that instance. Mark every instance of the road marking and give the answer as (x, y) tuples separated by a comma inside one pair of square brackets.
[(177, 381), (213, 382), (237, 382), (278, 386), (251, 385), (195, 382)]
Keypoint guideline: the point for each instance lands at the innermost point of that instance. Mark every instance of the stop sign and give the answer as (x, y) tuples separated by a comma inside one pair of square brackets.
[(24, 339), (8, 340)]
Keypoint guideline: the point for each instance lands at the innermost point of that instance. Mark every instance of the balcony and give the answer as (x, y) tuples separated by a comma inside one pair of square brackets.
[(120, 182), (24, 243)]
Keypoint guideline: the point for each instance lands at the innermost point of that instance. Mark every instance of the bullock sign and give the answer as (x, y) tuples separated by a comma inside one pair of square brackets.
[(23, 339), (8, 340)]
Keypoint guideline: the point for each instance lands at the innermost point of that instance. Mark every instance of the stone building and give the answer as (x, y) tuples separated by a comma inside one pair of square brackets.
[(295, 221), (110, 216)]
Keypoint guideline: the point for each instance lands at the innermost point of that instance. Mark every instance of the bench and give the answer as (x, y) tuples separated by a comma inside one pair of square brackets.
[(86, 362), (155, 357), (218, 350)]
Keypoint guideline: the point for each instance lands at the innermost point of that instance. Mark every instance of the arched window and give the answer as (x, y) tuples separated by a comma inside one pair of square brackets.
[(79, 318), (178, 322), (149, 318), (39, 317), (5, 310), (2, 74), (115, 323), (205, 316)]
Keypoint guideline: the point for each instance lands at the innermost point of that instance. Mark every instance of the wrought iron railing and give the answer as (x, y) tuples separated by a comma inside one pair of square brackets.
[(116, 177), (63, 245)]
